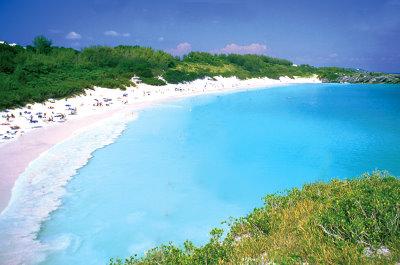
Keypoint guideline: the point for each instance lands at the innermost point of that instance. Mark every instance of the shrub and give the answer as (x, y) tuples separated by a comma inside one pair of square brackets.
[(42, 45)]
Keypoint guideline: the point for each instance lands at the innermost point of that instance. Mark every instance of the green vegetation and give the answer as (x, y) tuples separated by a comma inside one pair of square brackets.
[(42, 45), (341, 222), (41, 71)]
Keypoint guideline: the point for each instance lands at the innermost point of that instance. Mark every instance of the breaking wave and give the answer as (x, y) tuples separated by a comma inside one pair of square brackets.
[(40, 188)]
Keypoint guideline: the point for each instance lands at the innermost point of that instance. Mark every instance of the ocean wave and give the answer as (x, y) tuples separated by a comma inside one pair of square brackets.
[(40, 188)]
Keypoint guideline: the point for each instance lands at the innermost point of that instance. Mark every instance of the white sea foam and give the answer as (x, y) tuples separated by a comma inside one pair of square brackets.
[(39, 190)]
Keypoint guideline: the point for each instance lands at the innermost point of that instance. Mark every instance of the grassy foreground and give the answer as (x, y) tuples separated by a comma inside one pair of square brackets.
[(341, 222)]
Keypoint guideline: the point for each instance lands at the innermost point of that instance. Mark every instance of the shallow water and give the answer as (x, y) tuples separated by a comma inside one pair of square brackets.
[(184, 166)]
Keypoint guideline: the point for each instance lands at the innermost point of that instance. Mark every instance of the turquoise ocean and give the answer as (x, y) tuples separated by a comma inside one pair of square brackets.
[(184, 166)]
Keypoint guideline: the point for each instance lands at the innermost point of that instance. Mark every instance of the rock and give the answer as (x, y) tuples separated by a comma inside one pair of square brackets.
[(367, 78), (383, 251), (368, 252)]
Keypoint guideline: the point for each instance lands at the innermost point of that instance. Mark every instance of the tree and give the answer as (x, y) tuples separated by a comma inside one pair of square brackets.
[(7, 55), (42, 44)]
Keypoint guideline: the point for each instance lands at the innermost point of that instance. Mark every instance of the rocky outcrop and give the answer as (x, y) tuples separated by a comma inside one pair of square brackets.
[(366, 78)]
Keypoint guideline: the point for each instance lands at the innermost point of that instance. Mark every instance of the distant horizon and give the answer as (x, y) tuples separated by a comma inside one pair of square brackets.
[(351, 34)]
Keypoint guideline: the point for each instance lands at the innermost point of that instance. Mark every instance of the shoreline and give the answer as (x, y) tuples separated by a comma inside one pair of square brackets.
[(16, 155)]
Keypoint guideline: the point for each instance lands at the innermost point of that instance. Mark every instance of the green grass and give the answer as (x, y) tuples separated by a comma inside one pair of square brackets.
[(322, 223)]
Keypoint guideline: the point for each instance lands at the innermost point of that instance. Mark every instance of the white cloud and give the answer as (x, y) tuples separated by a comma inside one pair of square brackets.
[(160, 39), (114, 33), (73, 36), (181, 49), (111, 33), (254, 48)]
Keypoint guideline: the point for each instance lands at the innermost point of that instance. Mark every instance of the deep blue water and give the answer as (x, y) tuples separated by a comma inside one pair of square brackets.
[(185, 166)]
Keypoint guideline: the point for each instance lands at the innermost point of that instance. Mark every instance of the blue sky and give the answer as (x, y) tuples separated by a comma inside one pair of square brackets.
[(350, 33)]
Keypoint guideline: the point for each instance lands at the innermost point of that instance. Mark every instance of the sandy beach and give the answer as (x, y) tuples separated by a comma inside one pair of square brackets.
[(27, 132)]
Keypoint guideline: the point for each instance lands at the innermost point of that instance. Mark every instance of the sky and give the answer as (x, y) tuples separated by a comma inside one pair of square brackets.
[(348, 33)]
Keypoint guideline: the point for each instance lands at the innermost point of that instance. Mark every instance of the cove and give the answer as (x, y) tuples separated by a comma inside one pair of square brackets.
[(184, 166)]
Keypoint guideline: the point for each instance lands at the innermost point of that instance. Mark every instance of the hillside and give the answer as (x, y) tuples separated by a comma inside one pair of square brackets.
[(41, 71)]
